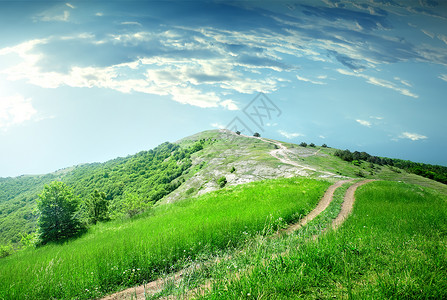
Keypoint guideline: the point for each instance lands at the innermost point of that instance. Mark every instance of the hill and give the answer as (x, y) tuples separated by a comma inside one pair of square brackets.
[(187, 168), (225, 223)]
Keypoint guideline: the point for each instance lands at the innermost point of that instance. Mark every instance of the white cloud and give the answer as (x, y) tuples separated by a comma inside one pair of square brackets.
[(50, 17), (192, 96), (131, 23), (379, 82), (309, 80), (377, 118), (185, 80), (428, 33), (364, 123), (15, 110), (442, 38), (321, 136), (99, 14), (412, 136), (443, 77), (289, 135), (229, 104), (218, 125), (404, 82), (70, 5)]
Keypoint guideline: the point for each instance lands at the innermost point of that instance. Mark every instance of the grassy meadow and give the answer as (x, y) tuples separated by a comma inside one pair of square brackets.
[(392, 247), (126, 252)]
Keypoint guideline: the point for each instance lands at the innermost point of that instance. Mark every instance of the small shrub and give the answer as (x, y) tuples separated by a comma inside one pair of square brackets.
[(303, 144), (256, 134), (6, 250), (324, 146), (233, 169), (359, 174), (222, 181), (238, 132), (311, 145)]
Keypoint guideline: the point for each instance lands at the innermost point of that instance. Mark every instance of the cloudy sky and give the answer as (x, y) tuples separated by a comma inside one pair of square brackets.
[(87, 81)]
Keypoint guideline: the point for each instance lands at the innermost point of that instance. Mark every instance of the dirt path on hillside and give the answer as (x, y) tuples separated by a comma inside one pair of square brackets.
[(322, 205), (348, 203), (281, 155)]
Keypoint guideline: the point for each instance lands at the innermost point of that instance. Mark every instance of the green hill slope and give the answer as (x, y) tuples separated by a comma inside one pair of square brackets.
[(119, 254)]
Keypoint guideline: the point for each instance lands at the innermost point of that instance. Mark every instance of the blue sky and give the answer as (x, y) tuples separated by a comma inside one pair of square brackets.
[(87, 81)]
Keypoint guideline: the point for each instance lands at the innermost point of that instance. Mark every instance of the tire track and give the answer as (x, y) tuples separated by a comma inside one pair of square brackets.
[(322, 205), (348, 203)]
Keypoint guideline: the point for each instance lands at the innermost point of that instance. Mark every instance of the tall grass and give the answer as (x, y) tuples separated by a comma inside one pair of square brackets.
[(123, 253), (392, 247)]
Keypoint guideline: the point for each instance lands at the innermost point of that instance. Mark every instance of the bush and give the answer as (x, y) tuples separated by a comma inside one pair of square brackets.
[(303, 144), (222, 181), (311, 145), (134, 204), (256, 134), (233, 169), (6, 250), (359, 174), (324, 146), (356, 163)]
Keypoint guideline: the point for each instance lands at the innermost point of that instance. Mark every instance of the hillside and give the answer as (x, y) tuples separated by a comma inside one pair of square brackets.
[(186, 168)]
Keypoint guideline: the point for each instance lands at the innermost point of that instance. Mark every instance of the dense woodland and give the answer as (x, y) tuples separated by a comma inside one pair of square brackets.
[(435, 172), (142, 178)]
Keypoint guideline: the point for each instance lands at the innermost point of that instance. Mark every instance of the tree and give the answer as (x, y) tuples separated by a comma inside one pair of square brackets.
[(303, 144), (135, 204), (311, 145), (238, 132), (256, 134), (97, 207), (222, 181), (324, 146), (58, 207)]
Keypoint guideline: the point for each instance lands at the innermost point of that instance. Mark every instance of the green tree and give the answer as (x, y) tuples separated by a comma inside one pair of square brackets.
[(58, 212), (222, 181), (135, 204), (256, 134), (97, 207)]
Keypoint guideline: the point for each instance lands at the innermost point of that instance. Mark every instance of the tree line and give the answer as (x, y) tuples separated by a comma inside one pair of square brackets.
[(434, 172)]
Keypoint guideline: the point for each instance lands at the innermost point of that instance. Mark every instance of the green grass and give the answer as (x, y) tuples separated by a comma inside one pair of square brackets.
[(225, 264), (392, 247), (119, 254)]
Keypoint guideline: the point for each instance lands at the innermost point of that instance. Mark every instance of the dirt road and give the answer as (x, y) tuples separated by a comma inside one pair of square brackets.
[(348, 203)]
